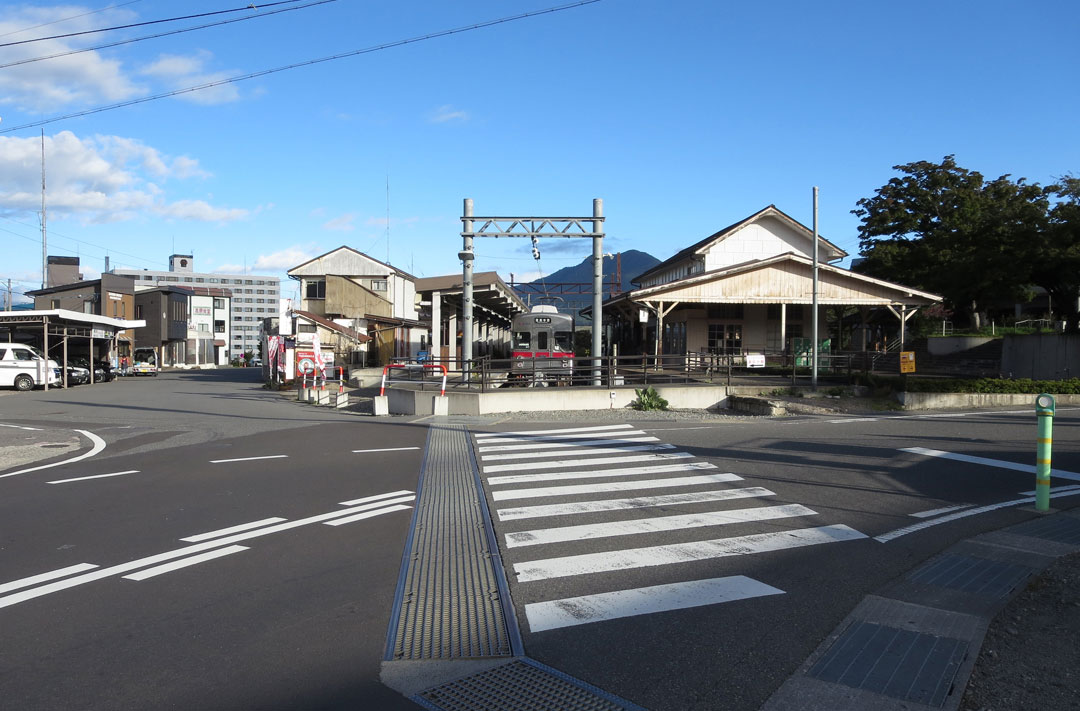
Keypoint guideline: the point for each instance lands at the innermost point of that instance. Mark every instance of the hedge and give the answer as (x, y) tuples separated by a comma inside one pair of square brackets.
[(962, 385)]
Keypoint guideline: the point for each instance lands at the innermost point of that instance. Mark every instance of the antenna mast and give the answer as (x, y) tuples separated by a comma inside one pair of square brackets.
[(387, 217), (44, 241)]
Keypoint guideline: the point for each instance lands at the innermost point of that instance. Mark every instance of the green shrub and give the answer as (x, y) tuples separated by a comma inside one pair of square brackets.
[(649, 399), (882, 384)]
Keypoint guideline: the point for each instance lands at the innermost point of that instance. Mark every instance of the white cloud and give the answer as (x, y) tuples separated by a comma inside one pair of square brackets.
[(84, 78), (183, 71), (200, 211), (98, 179), (341, 224), (284, 259), (446, 113)]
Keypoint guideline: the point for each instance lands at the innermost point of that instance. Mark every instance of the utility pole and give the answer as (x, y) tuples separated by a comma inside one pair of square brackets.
[(44, 241), (814, 320)]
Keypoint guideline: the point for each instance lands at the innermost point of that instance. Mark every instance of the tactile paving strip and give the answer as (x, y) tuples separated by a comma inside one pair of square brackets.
[(521, 685), (903, 664), (450, 602), (979, 576), (1060, 529)]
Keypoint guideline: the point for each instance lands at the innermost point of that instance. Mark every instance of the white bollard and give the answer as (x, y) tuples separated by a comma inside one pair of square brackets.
[(440, 406), (382, 405)]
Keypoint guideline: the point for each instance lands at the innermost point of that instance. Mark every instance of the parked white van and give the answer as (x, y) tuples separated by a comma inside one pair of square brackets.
[(24, 368)]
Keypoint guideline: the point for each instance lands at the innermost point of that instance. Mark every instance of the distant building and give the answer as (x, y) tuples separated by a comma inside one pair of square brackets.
[(254, 298), (111, 296)]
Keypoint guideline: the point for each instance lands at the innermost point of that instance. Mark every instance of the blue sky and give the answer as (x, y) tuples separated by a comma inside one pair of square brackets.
[(682, 116)]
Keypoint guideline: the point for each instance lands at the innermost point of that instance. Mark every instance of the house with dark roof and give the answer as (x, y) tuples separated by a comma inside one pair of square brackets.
[(748, 288), (357, 292)]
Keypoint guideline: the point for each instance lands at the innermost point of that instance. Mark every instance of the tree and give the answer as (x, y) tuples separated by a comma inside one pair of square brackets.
[(948, 230), (1054, 257)]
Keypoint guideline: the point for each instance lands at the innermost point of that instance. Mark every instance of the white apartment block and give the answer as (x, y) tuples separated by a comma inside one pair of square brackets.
[(254, 297)]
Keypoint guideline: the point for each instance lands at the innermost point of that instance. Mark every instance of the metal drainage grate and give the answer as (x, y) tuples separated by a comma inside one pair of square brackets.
[(449, 604), (902, 664), (979, 576), (1060, 529), (521, 685)]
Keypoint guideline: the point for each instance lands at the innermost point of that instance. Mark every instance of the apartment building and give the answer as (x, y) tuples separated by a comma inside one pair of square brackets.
[(254, 297)]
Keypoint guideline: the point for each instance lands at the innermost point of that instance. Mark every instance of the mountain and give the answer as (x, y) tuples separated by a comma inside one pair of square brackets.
[(573, 299)]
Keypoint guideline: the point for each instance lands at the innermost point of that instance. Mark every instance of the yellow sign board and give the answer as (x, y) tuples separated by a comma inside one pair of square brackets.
[(907, 361)]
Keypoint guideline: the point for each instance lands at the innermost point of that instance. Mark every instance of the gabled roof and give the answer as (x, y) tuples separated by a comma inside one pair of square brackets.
[(328, 324), (705, 244), (358, 253)]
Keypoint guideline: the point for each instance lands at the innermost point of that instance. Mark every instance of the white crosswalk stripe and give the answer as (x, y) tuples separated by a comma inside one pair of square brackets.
[(613, 529)]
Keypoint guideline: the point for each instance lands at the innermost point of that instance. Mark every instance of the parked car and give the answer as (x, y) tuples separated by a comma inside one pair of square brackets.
[(77, 375), (25, 368), (102, 370)]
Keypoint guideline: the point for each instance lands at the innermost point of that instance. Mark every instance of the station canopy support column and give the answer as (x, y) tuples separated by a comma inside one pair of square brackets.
[(532, 228)]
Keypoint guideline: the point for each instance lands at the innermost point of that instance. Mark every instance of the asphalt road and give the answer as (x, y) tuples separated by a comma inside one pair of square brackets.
[(849, 472), (294, 616)]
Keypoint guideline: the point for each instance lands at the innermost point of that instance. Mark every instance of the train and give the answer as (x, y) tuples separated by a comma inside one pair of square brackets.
[(542, 347)]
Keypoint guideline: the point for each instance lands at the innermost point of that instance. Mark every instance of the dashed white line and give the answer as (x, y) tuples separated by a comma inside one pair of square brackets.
[(94, 476), (45, 577), (20, 427), (1001, 464), (232, 529), (938, 512), (570, 611), (368, 514), (248, 459), (377, 497), (386, 449), (184, 563)]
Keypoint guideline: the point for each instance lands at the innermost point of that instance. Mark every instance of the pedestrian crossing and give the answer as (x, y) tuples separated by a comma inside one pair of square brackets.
[(595, 487)]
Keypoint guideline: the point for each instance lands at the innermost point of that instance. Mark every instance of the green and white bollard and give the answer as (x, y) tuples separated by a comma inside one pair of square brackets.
[(1044, 408)]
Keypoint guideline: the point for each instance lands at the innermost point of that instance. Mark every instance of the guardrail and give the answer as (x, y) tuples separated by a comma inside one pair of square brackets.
[(412, 366)]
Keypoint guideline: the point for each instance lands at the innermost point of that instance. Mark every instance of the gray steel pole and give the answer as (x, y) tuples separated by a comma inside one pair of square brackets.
[(814, 324), (598, 286), (467, 287)]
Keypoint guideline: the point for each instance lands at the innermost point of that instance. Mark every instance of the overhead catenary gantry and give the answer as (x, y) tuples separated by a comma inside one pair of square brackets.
[(533, 228)]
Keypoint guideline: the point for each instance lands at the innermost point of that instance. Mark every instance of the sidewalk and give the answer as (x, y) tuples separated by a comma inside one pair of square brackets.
[(25, 446)]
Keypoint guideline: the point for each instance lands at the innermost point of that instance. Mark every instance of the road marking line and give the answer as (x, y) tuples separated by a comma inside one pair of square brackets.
[(571, 611), (598, 450), (1053, 490), (248, 459), (232, 529), (680, 429), (637, 502), (681, 552), (852, 419), (892, 535), (527, 433), (45, 577), (95, 476), (377, 497), (184, 563), (557, 445), (99, 444), (1028, 468), (368, 514), (20, 427), (658, 524), (563, 438), (938, 512), (507, 494), (587, 462), (172, 555), (597, 473), (388, 449)]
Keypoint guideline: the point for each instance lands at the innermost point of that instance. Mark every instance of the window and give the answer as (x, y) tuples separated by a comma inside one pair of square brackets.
[(725, 338), (378, 284), (187, 279), (522, 341), (541, 341), (219, 326), (54, 304), (204, 327), (305, 328), (260, 291), (564, 341), (212, 281), (260, 301), (247, 291), (138, 311), (172, 279), (199, 280), (246, 281), (315, 289), (219, 303), (148, 278), (725, 311), (260, 282)]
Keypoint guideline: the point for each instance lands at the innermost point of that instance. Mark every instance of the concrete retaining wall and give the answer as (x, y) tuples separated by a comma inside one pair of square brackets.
[(946, 345), (942, 401), (1046, 356), (404, 401)]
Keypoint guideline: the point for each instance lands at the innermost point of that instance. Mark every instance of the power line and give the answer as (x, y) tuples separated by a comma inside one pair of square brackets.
[(54, 233), (310, 62), (144, 24), (161, 34), (70, 17)]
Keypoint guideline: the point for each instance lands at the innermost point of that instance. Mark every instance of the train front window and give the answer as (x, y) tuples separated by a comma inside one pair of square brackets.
[(564, 341), (542, 341), (522, 341)]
